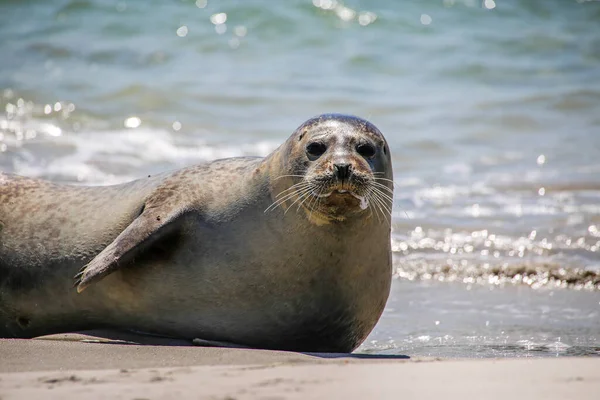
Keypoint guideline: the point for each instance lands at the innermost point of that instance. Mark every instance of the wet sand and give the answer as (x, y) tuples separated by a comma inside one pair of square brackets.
[(72, 366)]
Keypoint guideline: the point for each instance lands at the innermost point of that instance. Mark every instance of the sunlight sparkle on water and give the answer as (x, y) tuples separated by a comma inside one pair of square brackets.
[(51, 130), (426, 19), (10, 108), (541, 160), (489, 4), (345, 13), (182, 31), (132, 122), (325, 4), (219, 18), (366, 18)]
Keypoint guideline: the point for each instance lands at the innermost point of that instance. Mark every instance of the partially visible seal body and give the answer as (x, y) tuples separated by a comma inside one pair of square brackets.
[(290, 251)]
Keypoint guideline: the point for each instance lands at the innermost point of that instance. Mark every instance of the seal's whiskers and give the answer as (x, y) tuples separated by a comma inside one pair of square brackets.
[(390, 190), (384, 195), (381, 200), (315, 197), (374, 208), (293, 187), (386, 200), (306, 192), (382, 186), (296, 189), (315, 202), (379, 178)]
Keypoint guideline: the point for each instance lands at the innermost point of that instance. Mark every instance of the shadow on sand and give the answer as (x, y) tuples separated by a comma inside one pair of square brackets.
[(133, 338)]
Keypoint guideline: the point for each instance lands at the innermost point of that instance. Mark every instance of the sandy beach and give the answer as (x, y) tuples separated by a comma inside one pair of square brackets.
[(72, 366)]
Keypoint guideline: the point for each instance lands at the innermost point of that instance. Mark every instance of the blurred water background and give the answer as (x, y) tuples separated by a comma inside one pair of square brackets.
[(491, 109)]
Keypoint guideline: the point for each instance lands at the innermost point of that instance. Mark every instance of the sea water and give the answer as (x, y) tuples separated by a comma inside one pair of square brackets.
[(491, 109)]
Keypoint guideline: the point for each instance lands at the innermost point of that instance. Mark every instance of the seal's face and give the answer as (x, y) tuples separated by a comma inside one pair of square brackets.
[(339, 167)]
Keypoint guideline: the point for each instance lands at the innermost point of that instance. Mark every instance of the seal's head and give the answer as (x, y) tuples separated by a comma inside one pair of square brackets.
[(338, 167)]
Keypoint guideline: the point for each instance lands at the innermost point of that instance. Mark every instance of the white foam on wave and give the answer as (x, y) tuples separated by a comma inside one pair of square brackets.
[(106, 157)]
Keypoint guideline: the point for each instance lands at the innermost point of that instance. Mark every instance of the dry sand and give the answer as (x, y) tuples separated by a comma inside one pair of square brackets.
[(86, 366)]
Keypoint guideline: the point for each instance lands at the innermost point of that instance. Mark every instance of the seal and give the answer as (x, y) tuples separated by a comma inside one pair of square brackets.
[(291, 251)]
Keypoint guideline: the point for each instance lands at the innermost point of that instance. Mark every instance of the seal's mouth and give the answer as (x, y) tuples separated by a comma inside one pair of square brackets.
[(364, 202)]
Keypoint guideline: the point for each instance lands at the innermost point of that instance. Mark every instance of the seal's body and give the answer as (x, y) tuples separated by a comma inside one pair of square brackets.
[(287, 252)]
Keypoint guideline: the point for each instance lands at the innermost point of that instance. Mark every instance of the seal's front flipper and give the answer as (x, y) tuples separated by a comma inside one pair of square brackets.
[(153, 223)]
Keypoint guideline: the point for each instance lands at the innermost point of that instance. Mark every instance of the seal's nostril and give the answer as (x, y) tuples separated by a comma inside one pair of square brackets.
[(342, 171)]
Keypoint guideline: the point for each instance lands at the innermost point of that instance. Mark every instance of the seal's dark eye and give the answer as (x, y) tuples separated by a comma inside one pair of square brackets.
[(366, 150), (316, 149)]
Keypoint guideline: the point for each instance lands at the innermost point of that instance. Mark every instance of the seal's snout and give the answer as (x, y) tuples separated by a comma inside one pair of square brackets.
[(342, 170)]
